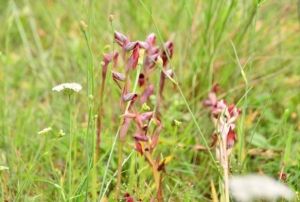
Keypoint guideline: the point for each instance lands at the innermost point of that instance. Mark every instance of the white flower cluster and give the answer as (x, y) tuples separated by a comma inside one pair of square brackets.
[(76, 87)]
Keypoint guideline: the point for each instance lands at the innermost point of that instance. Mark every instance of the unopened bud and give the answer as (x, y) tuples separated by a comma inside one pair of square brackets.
[(111, 17), (177, 123), (83, 24), (145, 107)]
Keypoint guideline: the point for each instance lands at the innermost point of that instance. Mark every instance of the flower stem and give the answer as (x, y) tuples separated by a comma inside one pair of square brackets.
[(121, 141), (119, 172), (70, 150), (156, 175), (99, 120), (224, 163)]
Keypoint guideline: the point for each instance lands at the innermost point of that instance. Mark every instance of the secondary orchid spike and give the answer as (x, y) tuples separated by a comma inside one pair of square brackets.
[(224, 137), (224, 117)]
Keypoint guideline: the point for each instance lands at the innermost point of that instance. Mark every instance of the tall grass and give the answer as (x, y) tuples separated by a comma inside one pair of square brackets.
[(249, 47)]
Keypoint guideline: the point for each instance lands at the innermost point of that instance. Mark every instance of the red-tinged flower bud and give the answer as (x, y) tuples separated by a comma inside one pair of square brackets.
[(155, 136), (121, 39), (218, 108), (146, 116), (144, 45), (107, 58), (153, 57), (231, 138), (147, 93), (115, 59), (282, 176), (141, 137), (167, 52), (118, 76), (211, 101), (134, 58), (150, 60), (124, 128), (129, 97), (215, 88), (214, 140), (154, 140), (139, 147), (130, 46), (161, 166), (234, 112), (130, 115), (141, 79), (151, 39), (128, 198)]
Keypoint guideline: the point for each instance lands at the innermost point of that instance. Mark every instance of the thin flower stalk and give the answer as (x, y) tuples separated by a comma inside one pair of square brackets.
[(224, 117), (107, 59), (69, 89), (124, 129)]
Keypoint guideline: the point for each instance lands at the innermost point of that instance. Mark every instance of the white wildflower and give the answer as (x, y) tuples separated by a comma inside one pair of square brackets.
[(250, 187), (61, 133), (76, 87), (45, 130)]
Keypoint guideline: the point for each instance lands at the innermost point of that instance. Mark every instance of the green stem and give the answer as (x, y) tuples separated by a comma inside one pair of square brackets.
[(225, 170), (121, 143), (70, 150), (119, 172)]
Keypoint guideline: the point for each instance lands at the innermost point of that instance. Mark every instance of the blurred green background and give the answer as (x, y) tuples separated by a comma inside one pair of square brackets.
[(251, 48)]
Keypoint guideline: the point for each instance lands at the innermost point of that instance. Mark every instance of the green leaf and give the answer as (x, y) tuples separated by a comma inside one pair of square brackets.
[(260, 141)]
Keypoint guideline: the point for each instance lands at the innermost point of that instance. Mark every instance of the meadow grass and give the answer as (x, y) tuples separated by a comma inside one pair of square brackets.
[(250, 48)]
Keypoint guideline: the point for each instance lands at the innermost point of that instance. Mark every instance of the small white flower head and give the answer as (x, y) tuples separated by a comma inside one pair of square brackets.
[(61, 133), (252, 187), (68, 87), (45, 130)]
